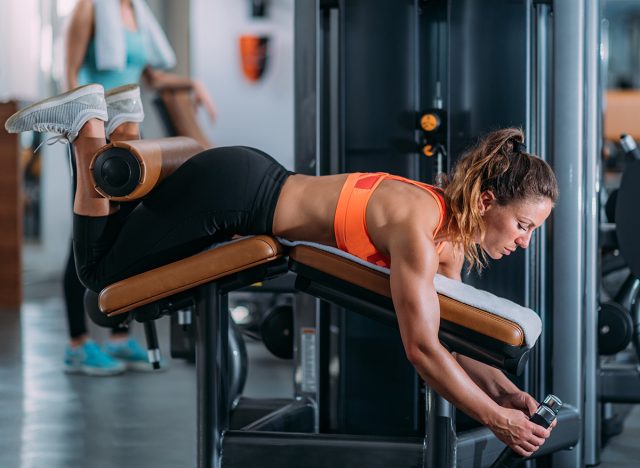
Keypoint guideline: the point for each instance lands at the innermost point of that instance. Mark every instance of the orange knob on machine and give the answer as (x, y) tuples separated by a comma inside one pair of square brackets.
[(427, 150), (430, 122)]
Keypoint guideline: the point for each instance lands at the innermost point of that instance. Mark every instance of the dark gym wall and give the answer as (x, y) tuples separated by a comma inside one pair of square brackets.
[(380, 88), (488, 89), (360, 115), (379, 80), (488, 68)]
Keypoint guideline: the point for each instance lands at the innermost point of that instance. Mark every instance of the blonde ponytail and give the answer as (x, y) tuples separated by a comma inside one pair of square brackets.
[(497, 163)]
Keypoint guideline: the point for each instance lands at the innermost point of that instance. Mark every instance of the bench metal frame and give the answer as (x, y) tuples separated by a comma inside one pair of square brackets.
[(289, 434)]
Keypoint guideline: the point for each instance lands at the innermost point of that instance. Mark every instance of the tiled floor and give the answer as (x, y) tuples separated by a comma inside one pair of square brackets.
[(623, 451), (51, 419)]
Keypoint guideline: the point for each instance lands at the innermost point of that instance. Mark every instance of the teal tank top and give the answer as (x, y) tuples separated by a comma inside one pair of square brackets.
[(131, 73)]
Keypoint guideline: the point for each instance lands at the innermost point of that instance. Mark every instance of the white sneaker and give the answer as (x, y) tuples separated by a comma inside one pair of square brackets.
[(123, 105), (64, 114)]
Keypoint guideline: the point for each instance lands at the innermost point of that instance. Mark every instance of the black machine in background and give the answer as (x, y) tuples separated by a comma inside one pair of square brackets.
[(401, 106), (405, 87), (619, 317)]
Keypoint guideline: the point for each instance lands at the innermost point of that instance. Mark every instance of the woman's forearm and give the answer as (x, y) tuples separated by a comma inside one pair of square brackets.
[(488, 378), (72, 80), (442, 373), (159, 79)]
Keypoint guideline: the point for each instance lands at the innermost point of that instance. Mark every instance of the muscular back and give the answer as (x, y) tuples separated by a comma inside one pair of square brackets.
[(307, 205)]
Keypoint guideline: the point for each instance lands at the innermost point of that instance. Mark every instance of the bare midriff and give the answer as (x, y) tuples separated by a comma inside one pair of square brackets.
[(306, 208), (307, 205)]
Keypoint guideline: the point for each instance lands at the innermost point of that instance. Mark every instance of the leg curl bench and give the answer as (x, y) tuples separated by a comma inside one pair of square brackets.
[(491, 337), (475, 323)]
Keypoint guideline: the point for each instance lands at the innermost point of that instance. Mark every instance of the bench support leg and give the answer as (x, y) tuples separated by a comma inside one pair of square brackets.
[(441, 432), (212, 383)]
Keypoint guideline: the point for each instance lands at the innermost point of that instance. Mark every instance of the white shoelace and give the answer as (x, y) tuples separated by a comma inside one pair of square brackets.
[(52, 141)]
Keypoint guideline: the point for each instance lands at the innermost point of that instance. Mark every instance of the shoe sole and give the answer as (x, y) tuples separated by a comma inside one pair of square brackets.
[(122, 92), (130, 91), (119, 119), (54, 101)]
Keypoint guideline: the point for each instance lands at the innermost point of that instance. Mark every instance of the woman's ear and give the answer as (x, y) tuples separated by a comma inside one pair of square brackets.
[(486, 201)]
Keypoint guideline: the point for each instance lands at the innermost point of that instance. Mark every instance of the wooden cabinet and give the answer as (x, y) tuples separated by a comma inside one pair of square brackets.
[(10, 215)]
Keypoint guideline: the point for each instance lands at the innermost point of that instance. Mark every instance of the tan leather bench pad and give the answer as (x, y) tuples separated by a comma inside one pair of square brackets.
[(188, 273), (231, 258), (451, 310)]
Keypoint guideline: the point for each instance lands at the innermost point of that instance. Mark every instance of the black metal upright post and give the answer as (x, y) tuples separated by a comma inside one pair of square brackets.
[(440, 432), (212, 362)]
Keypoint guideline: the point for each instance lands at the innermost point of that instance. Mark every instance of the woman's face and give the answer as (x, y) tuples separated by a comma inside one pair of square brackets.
[(511, 226)]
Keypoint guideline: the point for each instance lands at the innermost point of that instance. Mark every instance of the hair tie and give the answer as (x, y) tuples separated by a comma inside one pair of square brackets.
[(519, 147)]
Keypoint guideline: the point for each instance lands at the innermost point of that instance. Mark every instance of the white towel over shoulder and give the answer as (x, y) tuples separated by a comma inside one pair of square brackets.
[(110, 36)]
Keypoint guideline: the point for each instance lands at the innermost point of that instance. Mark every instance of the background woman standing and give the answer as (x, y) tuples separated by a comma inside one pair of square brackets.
[(115, 43)]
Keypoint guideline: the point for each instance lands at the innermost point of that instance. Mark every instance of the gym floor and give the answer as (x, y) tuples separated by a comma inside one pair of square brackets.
[(49, 418)]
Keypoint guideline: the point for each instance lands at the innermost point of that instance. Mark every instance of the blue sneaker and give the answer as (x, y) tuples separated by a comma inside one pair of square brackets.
[(134, 356), (89, 359)]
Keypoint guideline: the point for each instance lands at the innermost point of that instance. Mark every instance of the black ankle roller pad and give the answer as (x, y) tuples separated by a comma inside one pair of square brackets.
[(117, 172)]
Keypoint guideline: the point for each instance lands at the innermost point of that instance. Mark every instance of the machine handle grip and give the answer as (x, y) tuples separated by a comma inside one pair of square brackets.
[(629, 146), (543, 416)]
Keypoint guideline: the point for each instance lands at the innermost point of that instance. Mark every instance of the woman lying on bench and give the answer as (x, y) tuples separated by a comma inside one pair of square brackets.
[(497, 196)]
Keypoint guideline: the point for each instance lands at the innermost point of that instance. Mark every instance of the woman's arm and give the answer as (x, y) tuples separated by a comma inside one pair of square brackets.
[(491, 380), (78, 36), (414, 263), (158, 79), (497, 385)]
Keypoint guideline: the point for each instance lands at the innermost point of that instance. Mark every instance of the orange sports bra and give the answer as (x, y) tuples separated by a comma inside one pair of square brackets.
[(350, 225)]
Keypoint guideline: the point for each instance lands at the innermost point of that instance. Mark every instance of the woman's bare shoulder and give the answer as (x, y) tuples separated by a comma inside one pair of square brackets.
[(412, 207), (82, 16), (84, 8), (404, 220)]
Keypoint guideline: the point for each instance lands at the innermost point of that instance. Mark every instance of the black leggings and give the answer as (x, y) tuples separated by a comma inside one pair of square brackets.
[(214, 195), (73, 289), (74, 300)]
